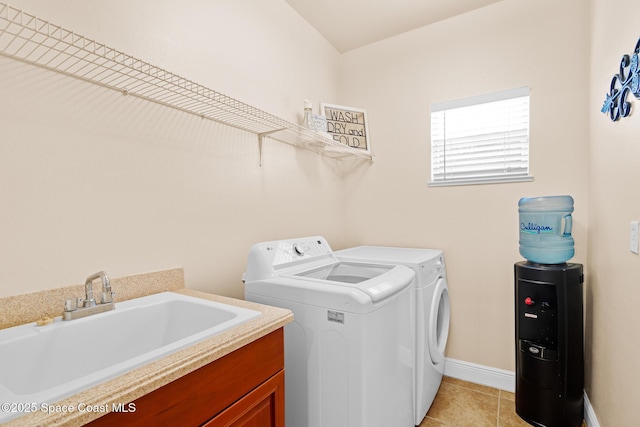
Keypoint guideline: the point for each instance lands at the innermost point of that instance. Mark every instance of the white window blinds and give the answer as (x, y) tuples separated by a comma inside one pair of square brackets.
[(482, 139)]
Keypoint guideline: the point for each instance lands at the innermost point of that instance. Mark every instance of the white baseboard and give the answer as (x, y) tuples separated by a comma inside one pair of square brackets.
[(500, 379), (480, 374), (589, 413)]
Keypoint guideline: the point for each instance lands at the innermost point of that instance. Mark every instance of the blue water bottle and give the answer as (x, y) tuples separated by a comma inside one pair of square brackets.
[(545, 229)]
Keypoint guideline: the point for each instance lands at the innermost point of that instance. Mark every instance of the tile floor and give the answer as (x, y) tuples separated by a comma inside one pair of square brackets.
[(462, 404)]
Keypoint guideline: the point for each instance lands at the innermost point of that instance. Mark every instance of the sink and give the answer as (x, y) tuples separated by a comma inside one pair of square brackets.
[(43, 364)]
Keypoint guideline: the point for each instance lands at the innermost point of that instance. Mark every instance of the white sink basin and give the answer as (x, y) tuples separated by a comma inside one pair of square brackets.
[(43, 364)]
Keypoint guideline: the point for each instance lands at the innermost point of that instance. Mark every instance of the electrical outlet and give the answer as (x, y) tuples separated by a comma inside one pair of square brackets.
[(633, 239)]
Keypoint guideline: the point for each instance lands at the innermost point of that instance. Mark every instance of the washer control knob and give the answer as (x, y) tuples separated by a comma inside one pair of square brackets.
[(298, 250), (529, 301)]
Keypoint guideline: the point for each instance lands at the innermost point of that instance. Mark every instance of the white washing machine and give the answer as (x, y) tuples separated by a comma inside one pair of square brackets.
[(430, 298), (348, 351)]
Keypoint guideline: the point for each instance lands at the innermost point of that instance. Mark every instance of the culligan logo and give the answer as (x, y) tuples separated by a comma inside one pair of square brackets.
[(533, 228)]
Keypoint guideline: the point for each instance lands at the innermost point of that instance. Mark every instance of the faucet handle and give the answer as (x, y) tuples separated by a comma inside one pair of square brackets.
[(68, 305)]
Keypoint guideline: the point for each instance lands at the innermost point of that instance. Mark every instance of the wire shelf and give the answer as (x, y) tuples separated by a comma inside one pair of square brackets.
[(33, 40)]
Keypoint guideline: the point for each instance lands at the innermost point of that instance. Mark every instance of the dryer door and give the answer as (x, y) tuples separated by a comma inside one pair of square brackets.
[(439, 323)]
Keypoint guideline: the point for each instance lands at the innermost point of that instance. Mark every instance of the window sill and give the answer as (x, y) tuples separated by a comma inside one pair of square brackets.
[(479, 181)]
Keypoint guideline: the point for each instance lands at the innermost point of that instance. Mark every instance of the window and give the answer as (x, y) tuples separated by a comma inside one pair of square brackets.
[(479, 140)]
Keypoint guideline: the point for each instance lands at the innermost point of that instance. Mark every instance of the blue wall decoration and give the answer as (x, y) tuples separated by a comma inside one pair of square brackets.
[(621, 84)]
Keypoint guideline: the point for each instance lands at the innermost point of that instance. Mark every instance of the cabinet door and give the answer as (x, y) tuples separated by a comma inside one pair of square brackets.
[(263, 407)]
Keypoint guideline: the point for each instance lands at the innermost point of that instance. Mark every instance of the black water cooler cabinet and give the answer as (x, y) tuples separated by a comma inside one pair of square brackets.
[(549, 344)]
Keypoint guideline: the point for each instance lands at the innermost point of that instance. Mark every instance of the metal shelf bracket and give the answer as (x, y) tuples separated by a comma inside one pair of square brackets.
[(261, 136)]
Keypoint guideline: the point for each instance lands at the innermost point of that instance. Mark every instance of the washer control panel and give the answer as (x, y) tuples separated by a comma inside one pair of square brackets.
[(288, 251), (282, 253), (265, 259)]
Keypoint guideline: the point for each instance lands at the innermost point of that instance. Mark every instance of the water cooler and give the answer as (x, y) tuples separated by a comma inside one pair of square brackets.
[(549, 322), (549, 344)]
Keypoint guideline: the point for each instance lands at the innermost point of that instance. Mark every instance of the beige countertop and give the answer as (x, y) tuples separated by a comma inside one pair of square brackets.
[(96, 401)]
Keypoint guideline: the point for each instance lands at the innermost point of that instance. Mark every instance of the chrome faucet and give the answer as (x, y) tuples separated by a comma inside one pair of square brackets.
[(107, 295), (88, 306)]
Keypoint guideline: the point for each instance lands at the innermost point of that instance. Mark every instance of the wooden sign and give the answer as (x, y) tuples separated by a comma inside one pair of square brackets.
[(347, 126)]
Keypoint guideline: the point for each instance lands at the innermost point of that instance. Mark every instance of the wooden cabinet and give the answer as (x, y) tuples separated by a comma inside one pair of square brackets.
[(261, 408), (244, 388)]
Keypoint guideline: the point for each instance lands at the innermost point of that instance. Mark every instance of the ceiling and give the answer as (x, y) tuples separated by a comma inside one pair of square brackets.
[(350, 24)]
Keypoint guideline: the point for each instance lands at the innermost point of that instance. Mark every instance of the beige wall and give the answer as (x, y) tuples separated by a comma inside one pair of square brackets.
[(506, 45), (613, 290), (93, 180)]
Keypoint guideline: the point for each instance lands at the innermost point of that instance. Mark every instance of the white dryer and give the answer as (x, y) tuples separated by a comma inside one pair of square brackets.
[(348, 351), (430, 298)]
